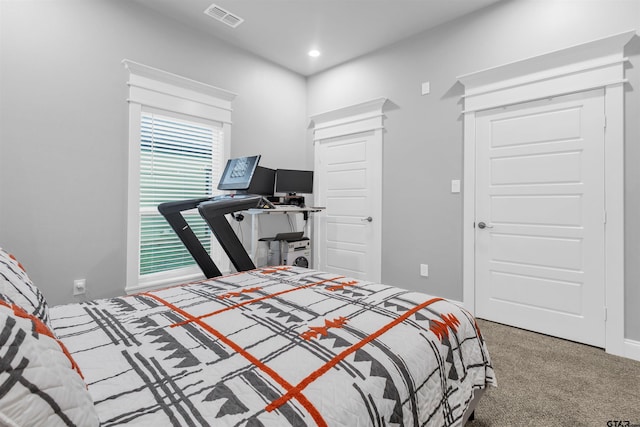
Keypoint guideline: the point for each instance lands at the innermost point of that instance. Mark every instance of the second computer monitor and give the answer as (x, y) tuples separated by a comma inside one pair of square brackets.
[(263, 182), (292, 181)]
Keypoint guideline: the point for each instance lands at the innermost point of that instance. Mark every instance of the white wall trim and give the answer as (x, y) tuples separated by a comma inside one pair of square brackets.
[(190, 275), (151, 88), (583, 57), (160, 89), (591, 65), (354, 119), (349, 120), (596, 64), (631, 349), (157, 77)]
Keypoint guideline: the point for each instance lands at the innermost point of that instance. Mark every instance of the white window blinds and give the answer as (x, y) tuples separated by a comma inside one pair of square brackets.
[(179, 160)]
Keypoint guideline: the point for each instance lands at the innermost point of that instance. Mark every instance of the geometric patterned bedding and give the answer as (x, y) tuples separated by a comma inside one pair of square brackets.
[(40, 384), (279, 347)]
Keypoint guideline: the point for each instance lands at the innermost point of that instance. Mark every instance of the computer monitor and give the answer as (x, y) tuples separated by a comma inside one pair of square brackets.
[(294, 181), (263, 182), (238, 173)]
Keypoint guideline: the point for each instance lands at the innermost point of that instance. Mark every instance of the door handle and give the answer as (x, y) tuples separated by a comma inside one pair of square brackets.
[(368, 219), (482, 225)]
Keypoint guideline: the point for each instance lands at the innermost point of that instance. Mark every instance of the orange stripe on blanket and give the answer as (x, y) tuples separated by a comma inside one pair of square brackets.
[(17, 262), (314, 331), (255, 361), (293, 393), (233, 307), (238, 293), (342, 285), (274, 270), (441, 329)]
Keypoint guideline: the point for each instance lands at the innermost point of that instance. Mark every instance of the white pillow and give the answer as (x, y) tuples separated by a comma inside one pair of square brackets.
[(40, 384), (17, 288)]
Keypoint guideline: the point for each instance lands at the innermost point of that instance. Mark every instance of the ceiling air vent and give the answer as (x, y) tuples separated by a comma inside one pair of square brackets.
[(222, 15)]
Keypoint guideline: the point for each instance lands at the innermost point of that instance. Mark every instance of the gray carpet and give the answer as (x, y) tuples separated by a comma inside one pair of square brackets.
[(546, 381)]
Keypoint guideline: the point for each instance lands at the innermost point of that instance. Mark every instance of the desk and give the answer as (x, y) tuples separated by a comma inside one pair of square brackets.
[(280, 209)]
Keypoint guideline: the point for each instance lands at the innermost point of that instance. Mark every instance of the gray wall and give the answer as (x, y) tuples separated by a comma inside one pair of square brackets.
[(423, 139), (63, 127), (63, 139)]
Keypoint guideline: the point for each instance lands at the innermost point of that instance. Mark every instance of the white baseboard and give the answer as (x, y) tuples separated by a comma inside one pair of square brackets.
[(632, 349)]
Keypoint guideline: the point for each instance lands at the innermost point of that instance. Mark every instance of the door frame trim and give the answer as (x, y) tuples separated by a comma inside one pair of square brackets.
[(595, 64), (358, 118)]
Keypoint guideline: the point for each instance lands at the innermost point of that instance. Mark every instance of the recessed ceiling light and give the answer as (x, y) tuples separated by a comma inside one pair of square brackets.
[(314, 53)]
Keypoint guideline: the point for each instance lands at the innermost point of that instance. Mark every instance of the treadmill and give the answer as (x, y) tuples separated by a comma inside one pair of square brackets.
[(237, 176)]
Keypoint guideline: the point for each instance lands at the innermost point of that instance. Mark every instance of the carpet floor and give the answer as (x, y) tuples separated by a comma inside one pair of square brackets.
[(547, 381)]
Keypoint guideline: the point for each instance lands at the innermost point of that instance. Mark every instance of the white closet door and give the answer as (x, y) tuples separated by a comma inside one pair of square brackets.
[(540, 196)]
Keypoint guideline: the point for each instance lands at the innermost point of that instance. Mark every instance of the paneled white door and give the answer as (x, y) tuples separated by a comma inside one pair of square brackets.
[(540, 216), (348, 175)]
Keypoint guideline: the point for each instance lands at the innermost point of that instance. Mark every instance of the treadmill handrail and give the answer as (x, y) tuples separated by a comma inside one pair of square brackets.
[(214, 211), (172, 212), (180, 205)]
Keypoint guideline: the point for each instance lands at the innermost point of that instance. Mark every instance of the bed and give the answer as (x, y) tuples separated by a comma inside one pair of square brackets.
[(281, 346)]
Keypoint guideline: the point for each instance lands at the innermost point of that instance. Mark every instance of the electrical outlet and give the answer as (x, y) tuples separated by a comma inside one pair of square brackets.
[(424, 270), (79, 287)]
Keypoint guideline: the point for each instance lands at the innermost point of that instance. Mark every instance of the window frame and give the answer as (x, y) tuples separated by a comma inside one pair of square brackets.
[(151, 89), (217, 165)]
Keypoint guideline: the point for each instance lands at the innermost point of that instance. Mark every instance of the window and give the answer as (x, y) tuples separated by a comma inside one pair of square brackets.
[(178, 144), (178, 160)]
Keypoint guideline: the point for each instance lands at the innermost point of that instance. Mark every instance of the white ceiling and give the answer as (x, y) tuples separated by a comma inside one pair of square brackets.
[(283, 31)]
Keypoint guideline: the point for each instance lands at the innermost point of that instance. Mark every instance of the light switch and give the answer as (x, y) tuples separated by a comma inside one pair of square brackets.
[(455, 185), (424, 270), (426, 88)]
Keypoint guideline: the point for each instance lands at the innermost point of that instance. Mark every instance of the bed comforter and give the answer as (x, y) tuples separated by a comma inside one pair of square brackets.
[(276, 347)]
